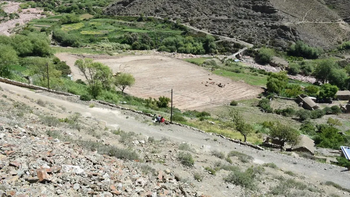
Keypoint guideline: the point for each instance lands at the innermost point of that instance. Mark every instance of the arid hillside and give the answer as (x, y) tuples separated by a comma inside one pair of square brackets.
[(273, 22)]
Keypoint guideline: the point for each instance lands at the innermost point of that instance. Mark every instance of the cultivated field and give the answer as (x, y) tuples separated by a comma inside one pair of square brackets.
[(194, 87)]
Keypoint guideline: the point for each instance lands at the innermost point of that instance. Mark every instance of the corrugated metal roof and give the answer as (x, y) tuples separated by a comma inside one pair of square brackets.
[(346, 152)]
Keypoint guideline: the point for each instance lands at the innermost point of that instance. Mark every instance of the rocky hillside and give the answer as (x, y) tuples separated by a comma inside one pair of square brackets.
[(273, 22), (53, 145)]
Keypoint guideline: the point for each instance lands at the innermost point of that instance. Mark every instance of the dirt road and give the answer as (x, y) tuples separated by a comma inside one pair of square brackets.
[(314, 172)]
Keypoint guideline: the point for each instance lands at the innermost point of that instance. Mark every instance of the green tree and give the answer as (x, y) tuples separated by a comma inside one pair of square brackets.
[(42, 70), (284, 133), (264, 56), (323, 70), (8, 56), (327, 91), (97, 75), (240, 125), (338, 77), (124, 80), (277, 82)]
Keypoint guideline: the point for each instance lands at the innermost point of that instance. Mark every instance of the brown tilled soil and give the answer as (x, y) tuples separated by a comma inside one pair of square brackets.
[(194, 87)]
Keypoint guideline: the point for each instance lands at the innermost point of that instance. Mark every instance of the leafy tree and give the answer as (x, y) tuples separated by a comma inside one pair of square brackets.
[(124, 80), (327, 91), (323, 70), (277, 82), (306, 68), (284, 133), (240, 125), (8, 56), (338, 77), (264, 56), (97, 75)]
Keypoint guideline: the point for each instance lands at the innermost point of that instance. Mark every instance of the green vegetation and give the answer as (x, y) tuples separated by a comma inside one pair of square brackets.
[(244, 179), (264, 56), (186, 159), (300, 49), (124, 80)]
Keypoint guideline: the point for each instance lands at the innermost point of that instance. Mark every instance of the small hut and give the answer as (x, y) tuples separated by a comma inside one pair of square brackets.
[(307, 102), (305, 144), (343, 95)]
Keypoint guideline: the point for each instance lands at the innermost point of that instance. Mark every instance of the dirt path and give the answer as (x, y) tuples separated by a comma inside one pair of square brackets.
[(312, 171), (194, 87)]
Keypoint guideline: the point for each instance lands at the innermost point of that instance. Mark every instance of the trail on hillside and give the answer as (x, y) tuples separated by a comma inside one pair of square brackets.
[(125, 120)]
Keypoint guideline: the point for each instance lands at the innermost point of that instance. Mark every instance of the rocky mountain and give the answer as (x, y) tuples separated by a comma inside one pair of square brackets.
[(322, 23)]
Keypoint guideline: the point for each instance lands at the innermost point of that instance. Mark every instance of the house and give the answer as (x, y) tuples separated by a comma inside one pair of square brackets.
[(307, 102), (343, 95), (305, 144)]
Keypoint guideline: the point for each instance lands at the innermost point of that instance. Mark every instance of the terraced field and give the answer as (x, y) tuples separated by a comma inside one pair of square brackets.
[(194, 87)]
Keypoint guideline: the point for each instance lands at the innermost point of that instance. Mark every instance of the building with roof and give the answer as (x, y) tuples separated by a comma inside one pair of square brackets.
[(343, 95), (305, 144), (307, 102)]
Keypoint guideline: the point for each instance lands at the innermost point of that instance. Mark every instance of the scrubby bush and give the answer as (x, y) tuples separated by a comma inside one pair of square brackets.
[(264, 104), (244, 179), (318, 113), (233, 103), (303, 114), (294, 69), (264, 56), (185, 159), (335, 109), (301, 49), (288, 112), (85, 97), (218, 154), (311, 90), (178, 118)]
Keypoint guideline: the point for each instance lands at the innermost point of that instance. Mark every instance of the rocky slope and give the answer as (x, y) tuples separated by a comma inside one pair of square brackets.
[(54, 145), (271, 22)]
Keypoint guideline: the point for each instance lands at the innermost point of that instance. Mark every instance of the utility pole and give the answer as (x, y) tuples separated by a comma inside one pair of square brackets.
[(48, 77), (171, 109)]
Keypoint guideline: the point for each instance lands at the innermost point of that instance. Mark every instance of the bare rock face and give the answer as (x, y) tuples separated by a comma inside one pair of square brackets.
[(260, 22)]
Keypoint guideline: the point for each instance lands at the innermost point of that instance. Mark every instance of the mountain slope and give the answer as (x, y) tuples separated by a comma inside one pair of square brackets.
[(272, 22)]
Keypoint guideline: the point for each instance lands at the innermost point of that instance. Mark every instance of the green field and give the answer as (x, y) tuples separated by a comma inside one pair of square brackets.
[(249, 78)]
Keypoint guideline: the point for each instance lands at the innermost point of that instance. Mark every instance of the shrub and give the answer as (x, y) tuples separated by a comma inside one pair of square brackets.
[(294, 69), (342, 161), (241, 156), (243, 179), (198, 177), (318, 113), (50, 121), (335, 109), (264, 104), (185, 146), (186, 159), (264, 56), (163, 102), (179, 118), (85, 97), (311, 90), (234, 103), (270, 165), (218, 154), (301, 49), (210, 170), (303, 114), (288, 112)]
